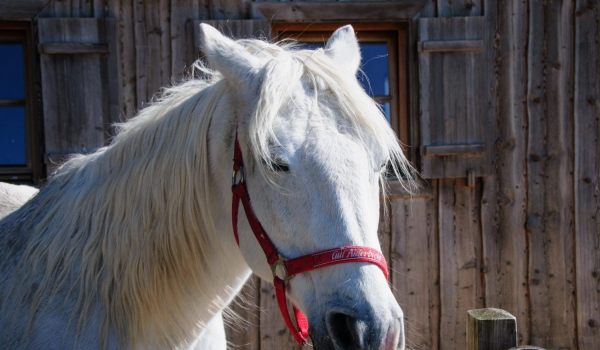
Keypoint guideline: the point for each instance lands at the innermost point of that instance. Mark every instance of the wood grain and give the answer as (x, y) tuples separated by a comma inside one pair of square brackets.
[(304, 11), (550, 168), (76, 92), (504, 198), (460, 259), (242, 320), (457, 8), (415, 268), (20, 10), (491, 329), (273, 332), (454, 96), (587, 172)]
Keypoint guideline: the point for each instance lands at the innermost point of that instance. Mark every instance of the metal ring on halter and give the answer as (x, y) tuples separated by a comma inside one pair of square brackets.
[(238, 176), (279, 270)]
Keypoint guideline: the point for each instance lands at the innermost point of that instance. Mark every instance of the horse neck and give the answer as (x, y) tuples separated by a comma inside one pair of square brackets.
[(214, 269), (168, 261)]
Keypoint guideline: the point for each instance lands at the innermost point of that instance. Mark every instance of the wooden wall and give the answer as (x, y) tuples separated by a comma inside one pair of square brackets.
[(525, 238)]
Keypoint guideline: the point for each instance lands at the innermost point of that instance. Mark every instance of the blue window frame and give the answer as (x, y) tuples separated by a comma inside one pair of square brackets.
[(19, 160), (12, 105)]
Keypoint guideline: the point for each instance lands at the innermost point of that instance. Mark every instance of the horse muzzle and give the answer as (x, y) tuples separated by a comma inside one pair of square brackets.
[(347, 329)]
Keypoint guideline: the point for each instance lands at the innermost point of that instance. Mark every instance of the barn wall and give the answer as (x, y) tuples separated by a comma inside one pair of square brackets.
[(526, 238)]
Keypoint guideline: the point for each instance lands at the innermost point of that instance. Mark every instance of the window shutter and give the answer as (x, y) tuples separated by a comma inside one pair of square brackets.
[(456, 120), (237, 29), (80, 89)]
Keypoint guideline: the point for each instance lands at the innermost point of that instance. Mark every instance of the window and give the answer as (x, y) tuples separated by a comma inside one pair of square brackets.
[(383, 50), (19, 160)]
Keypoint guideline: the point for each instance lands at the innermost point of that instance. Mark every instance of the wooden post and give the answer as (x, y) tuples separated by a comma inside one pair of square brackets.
[(527, 347), (491, 329)]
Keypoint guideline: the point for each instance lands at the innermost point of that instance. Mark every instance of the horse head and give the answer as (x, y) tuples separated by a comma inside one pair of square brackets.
[(315, 150)]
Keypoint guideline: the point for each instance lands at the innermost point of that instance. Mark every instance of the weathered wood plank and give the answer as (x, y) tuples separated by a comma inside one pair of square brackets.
[(99, 8), (587, 171), (153, 67), (301, 11), (452, 46), (491, 329), (460, 244), (242, 320), (476, 149), (415, 268), (455, 8), (384, 230), (76, 98), (183, 51), (57, 8), (123, 10), (549, 169), (454, 97), (165, 43), (505, 192), (110, 74), (72, 48), (273, 332), (229, 9), (20, 10)]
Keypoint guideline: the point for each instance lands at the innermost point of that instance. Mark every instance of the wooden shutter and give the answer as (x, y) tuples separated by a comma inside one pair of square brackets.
[(80, 89), (456, 121)]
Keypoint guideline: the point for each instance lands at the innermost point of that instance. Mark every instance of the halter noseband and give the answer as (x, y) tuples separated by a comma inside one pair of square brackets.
[(284, 269)]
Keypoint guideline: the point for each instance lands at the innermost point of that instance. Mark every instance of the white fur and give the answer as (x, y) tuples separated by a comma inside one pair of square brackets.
[(14, 196), (132, 246)]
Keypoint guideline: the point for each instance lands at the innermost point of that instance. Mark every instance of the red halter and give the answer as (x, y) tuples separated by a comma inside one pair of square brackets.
[(284, 269)]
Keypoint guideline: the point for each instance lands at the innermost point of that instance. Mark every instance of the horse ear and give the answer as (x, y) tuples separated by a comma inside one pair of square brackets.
[(225, 55), (342, 47)]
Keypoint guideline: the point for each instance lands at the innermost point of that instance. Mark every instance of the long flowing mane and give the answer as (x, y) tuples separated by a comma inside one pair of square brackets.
[(129, 226)]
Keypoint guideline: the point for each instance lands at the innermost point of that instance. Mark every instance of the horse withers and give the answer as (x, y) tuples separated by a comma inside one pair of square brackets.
[(133, 246)]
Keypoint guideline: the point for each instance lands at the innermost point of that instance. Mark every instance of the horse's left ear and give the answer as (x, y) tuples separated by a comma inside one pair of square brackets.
[(227, 56), (343, 48)]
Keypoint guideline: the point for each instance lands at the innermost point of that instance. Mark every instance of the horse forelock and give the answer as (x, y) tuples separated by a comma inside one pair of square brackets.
[(288, 64)]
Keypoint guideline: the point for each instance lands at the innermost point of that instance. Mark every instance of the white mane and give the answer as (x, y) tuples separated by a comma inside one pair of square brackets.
[(130, 225)]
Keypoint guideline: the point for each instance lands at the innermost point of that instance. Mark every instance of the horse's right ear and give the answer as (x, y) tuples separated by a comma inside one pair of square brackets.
[(226, 56)]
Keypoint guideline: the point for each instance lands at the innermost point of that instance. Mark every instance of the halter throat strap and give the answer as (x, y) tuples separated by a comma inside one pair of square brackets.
[(284, 269)]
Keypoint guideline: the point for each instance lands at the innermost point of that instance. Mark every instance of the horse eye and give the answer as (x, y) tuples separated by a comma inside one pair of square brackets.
[(277, 165)]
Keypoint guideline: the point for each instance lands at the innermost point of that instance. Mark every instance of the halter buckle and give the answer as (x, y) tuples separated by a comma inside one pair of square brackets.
[(279, 270)]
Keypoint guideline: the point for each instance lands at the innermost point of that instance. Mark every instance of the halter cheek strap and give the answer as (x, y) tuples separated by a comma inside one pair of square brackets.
[(284, 269)]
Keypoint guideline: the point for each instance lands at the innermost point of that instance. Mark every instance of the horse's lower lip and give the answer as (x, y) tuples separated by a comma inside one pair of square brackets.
[(392, 340)]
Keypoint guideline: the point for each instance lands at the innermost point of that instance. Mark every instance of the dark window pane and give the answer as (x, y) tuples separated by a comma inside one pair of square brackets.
[(375, 75), (12, 136), (12, 74)]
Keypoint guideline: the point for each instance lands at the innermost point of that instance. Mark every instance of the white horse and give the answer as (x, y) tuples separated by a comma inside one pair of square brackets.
[(132, 246), (14, 196)]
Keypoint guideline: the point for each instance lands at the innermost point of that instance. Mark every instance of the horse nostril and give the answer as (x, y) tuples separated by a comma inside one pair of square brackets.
[(347, 332)]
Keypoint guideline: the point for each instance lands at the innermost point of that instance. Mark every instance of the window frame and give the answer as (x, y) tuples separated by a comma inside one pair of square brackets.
[(394, 33), (31, 172)]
